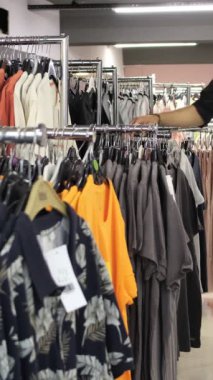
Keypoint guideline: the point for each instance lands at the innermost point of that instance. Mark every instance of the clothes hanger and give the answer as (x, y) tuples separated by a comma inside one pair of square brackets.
[(15, 186), (66, 172), (43, 196), (92, 85)]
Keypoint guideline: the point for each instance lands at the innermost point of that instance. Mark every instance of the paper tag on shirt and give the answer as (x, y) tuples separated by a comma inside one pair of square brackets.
[(170, 186), (59, 265), (62, 272), (72, 297)]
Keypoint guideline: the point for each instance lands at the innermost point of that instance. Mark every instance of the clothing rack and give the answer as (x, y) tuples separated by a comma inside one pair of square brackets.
[(63, 41), (114, 73), (88, 65), (24, 136), (132, 128), (39, 135), (187, 86), (139, 80)]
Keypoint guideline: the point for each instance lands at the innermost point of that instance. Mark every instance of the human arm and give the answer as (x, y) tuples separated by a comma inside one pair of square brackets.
[(196, 115), (186, 117)]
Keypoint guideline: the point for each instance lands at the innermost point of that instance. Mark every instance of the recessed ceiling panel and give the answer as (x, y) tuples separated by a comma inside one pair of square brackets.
[(109, 3)]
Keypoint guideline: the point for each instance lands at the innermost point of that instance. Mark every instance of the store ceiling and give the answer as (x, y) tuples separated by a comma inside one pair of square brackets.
[(96, 26), (111, 2)]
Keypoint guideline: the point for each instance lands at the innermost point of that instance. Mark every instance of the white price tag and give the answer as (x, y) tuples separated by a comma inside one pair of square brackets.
[(62, 272), (73, 297), (59, 265)]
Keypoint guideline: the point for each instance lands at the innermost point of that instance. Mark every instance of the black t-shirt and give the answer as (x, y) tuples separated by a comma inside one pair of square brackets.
[(204, 105)]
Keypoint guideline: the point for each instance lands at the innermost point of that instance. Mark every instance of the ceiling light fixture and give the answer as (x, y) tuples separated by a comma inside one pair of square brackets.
[(184, 8), (156, 45)]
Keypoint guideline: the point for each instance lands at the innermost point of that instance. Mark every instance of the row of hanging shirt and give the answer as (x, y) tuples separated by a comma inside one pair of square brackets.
[(157, 185), (29, 91), (83, 98), (133, 101), (169, 99), (162, 268), (65, 283), (174, 96)]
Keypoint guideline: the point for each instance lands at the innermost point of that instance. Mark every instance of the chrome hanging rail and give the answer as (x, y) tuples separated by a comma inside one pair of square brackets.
[(39, 135)]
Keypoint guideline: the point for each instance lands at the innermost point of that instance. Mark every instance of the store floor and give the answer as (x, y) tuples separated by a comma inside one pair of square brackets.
[(198, 364)]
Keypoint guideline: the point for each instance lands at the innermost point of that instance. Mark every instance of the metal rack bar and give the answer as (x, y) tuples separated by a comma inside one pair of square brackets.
[(98, 64), (40, 134), (70, 134), (113, 70), (26, 135), (132, 128), (63, 41), (134, 79), (173, 84), (84, 62)]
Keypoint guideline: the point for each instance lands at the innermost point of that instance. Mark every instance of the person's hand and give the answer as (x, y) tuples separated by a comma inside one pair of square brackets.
[(148, 119)]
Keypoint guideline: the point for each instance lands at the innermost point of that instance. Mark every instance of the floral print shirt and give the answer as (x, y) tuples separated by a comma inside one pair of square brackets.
[(39, 340)]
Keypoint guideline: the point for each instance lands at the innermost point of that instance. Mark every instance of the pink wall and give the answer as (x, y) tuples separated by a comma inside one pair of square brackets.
[(192, 73)]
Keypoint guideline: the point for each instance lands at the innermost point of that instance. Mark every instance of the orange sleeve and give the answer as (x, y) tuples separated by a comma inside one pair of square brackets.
[(4, 121), (10, 97), (2, 79)]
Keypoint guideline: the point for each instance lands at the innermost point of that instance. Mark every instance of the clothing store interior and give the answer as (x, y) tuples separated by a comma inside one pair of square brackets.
[(106, 185)]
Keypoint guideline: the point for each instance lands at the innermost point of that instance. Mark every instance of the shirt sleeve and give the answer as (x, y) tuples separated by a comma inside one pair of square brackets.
[(116, 342), (204, 105)]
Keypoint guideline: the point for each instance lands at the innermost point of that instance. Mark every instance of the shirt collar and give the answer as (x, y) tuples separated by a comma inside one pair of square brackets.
[(26, 231)]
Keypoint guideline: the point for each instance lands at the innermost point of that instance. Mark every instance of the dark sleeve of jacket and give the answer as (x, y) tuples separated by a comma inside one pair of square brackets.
[(204, 105)]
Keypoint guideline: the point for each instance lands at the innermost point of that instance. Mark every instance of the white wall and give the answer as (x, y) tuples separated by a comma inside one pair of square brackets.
[(109, 55), (23, 22)]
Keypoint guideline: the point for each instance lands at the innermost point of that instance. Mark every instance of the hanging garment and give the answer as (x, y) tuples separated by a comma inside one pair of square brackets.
[(98, 205), (106, 115), (83, 107), (32, 100), (178, 263), (186, 167), (162, 320), (101, 200), (190, 298), (18, 106), (159, 203), (2, 78), (45, 103), (206, 162), (7, 117), (194, 160), (24, 95), (35, 321)]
